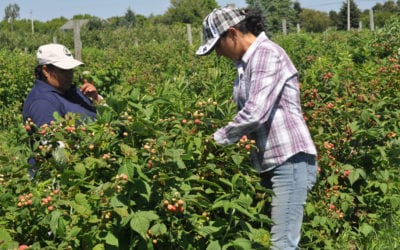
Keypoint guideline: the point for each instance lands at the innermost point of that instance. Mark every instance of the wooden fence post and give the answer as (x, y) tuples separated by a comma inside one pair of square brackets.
[(284, 30), (189, 33), (77, 40), (371, 20)]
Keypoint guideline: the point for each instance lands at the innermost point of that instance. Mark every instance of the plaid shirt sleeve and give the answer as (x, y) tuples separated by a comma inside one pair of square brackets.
[(256, 94), (268, 99)]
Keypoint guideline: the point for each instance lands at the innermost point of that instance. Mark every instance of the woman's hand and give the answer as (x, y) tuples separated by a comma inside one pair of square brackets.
[(89, 90)]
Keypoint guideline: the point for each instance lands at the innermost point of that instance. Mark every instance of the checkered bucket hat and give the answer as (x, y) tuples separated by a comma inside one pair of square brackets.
[(215, 24)]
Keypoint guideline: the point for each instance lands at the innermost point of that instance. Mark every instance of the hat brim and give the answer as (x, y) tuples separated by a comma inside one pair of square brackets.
[(68, 64), (208, 47)]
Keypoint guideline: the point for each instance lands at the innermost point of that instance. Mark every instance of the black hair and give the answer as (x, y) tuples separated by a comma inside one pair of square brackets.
[(39, 71), (253, 23)]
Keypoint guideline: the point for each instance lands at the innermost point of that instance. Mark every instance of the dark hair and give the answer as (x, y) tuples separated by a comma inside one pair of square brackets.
[(39, 71), (253, 23)]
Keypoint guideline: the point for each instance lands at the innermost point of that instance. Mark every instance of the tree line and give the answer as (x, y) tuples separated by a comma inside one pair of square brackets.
[(193, 12)]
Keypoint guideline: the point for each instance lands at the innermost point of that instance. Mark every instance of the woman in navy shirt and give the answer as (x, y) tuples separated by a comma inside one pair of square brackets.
[(54, 90)]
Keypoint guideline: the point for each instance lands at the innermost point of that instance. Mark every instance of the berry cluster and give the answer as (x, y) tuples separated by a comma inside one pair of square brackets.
[(176, 206), (25, 200), (245, 143)]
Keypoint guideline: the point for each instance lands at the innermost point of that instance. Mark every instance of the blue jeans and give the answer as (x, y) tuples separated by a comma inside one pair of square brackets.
[(290, 183)]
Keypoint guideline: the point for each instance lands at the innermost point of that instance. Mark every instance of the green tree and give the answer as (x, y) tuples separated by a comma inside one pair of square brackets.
[(96, 23), (334, 18), (82, 16), (188, 11), (314, 21), (130, 18), (297, 8), (11, 13), (398, 7), (384, 12), (355, 15), (389, 6), (275, 11)]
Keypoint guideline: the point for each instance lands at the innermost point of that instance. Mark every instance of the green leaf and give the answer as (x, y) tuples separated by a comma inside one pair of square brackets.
[(147, 191), (310, 208), (214, 245), (383, 187), (81, 205), (244, 200), (127, 169), (176, 155), (159, 229), (141, 220), (262, 236), (4, 235), (235, 178), (354, 126), (226, 181), (197, 142), (99, 247), (73, 232), (237, 159), (208, 230), (140, 128), (93, 219), (57, 224), (81, 199), (206, 182), (355, 175), (344, 206), (242, 243), (116, 202), (365, 115), (366, 229), (129, 152), (242, 210), (80, 169), (111, 239), (121, 211), (141, 174)]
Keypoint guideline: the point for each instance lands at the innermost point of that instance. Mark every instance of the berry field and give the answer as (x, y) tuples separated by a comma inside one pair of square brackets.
[(146, 175)]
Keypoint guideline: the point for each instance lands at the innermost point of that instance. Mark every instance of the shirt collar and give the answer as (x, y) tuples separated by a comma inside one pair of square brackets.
[(44, 86), (250, 51)]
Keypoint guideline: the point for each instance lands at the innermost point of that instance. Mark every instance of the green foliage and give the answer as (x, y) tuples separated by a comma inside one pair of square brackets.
[(355, 14), (15, 83), (352, 111), (313, 21), (188, 11), (275, 11), (146, 175)]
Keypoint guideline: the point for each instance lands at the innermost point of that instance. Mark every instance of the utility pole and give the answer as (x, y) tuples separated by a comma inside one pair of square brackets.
[(348, 14)]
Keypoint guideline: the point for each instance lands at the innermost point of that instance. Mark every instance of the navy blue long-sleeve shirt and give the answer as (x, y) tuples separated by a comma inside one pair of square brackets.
[(43, 100)]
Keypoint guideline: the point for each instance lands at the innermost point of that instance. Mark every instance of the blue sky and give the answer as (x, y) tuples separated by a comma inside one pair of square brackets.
[(45, 10)]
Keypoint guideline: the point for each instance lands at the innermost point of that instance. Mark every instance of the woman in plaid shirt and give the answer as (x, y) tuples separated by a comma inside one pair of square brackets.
[(269, 111)]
